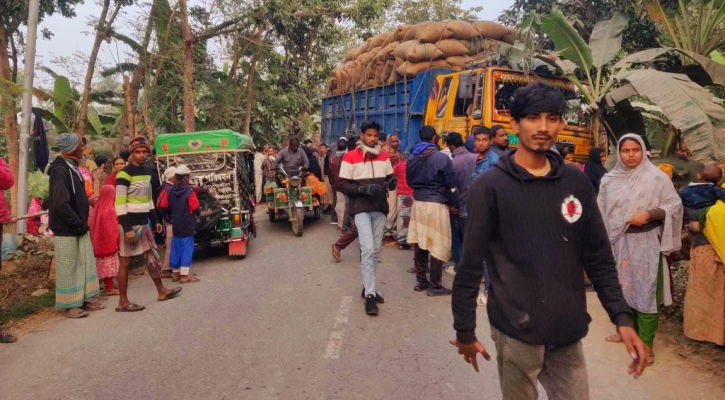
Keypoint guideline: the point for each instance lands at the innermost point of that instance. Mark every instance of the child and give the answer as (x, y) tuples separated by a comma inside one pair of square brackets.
[(705, 192), (105, 237), (181, 205), (405, 203)]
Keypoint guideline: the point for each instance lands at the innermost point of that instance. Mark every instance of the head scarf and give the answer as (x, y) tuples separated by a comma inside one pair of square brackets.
[(104, 223), (625, 191), (68, 143), (593, 168)]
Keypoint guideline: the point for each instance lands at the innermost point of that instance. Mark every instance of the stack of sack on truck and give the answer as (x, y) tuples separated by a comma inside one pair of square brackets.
[(394, 56)]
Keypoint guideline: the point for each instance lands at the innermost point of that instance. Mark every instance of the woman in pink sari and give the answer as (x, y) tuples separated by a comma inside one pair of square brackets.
[(104, 237)]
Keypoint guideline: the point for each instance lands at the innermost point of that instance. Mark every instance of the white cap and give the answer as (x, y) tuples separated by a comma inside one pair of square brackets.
[(169, 173), (183, 170)]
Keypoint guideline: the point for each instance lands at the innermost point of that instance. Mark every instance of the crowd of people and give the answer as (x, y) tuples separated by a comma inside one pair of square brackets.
[(525, 230)]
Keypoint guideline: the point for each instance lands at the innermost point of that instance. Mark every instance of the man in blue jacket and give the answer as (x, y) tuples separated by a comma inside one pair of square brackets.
[(430, 174)]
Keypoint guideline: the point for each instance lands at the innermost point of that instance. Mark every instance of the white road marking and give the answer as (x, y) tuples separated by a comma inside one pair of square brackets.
[(334, 345)]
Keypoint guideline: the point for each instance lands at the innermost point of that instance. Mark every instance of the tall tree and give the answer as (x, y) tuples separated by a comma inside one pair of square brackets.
[(188, 67)]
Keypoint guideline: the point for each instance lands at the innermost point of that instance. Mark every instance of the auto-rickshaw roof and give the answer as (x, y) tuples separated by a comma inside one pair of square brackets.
[(202, 142)]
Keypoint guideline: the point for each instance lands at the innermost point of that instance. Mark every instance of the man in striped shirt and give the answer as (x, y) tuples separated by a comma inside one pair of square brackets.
[(135, 207)]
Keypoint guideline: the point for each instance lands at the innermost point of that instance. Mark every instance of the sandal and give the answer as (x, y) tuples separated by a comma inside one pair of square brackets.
[(6, 337), (614, 338), (75, 313), (92, 306), (166, 275), (130, 307), (173, 293), (191, 279)]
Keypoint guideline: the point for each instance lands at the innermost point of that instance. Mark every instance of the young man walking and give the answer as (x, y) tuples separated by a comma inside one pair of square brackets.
[(430, 174), (365, 177), (135, 207), (536, 224), (76, 280), (181, 206), (463, 164)]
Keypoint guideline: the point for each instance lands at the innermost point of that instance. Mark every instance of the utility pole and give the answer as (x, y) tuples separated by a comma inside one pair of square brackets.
[(27, 107)]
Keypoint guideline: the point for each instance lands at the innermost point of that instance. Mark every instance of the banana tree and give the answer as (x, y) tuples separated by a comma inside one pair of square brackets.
[(688, 106), (695, 26), (574, 58)]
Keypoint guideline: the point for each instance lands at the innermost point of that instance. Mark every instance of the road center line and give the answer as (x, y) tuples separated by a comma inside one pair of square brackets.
[(334, 345)]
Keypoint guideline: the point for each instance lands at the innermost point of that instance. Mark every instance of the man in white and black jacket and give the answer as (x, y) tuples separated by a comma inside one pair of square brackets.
[(534, 220)]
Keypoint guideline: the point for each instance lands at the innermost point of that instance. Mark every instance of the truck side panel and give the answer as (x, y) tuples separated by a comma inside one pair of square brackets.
[(398, 108)]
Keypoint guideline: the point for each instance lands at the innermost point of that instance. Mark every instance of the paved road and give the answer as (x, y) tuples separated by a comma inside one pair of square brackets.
[(288, 323)]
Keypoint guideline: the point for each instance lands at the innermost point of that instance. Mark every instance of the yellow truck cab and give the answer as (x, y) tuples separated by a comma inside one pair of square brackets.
[(461, 101)]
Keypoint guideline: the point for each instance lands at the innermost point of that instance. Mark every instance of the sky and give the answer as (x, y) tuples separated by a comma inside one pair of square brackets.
[(74, 38)]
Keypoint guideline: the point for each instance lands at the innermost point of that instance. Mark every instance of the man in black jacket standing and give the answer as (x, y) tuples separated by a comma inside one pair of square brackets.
[(76, 281), (534, 220)]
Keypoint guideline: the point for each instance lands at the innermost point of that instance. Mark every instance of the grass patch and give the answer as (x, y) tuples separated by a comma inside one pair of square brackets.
[(28, 307)]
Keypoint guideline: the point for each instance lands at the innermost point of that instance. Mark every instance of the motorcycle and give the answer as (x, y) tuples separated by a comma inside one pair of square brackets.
[(293, 200)]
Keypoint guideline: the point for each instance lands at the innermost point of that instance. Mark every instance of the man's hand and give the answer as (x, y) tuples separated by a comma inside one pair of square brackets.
[(159, 228), (636, 349), (639, 218), (371, 189), (131, 237), (470, 351)]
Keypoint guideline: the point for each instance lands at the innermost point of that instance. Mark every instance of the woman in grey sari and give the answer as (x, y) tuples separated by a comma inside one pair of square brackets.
[(643, 215)]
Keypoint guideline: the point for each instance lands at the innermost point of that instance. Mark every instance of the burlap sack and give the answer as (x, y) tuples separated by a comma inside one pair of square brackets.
[(462, 30), (510, 38), (415, 51), (433, 32), (452, 47), (393, 78), (388, 69), (389, 50), (458, 61), (400, 32), (412, 33), (411, 70), (491, 30)]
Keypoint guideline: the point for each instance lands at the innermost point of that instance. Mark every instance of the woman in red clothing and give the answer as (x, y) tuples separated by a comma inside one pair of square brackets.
[(118, 164), (6, 182)]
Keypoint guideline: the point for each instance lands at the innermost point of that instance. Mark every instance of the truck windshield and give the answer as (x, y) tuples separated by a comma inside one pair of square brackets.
[(506, 83)]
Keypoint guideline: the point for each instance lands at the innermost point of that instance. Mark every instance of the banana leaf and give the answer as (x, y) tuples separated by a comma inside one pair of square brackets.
[(567, 41), (713, 68), (606, 39), (687, 105)]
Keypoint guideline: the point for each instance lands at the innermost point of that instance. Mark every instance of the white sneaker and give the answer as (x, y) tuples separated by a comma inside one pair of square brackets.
[(450, 270), (482, 299)]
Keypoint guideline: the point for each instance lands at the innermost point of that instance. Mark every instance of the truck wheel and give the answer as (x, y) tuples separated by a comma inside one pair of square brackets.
[(298, 222), (272, 217)]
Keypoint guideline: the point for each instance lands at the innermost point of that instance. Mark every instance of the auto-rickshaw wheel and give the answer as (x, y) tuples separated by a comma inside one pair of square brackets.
[(298, 222), (316, 215), (272, 217)]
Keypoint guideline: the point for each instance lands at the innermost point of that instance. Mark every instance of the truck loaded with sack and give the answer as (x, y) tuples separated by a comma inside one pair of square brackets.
[(453, 75), (222, 164)]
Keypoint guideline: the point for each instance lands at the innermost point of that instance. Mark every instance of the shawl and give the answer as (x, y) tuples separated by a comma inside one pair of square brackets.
[(625, 191), (593, 168), (104, 224)]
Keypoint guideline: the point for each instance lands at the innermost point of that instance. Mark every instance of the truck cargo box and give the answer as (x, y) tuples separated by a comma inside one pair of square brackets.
[(398, 108)]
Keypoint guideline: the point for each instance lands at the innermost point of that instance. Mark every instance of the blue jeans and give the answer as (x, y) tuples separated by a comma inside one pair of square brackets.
[(458, 224), (370, 228)]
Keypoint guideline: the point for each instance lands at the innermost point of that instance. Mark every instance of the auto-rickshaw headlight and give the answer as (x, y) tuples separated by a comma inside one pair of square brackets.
[(295, 181)]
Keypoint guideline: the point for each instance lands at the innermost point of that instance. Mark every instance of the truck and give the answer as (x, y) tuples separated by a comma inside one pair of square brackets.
[(452, 101)]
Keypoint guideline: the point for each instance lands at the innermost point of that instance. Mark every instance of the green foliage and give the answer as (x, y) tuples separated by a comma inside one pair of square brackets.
[(37, 185)]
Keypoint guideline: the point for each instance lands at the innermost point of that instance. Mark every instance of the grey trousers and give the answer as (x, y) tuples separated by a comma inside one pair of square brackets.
[(561, 371)]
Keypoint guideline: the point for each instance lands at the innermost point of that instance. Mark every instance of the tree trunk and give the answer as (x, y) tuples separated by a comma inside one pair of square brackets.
[(122, 121), (143, 58), (9, 110), (250, 92), (130, 115), (188, 66), (101, 32)]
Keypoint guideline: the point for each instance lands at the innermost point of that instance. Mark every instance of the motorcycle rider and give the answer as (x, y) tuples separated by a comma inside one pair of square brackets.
[(292, 158)]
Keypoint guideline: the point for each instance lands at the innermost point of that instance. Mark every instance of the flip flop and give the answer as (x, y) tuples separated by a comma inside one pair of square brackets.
[(192, 279), (75, 313), (131, 307), (172, 294)]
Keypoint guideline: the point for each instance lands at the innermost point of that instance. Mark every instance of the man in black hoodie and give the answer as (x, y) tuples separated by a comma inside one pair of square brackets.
[(76, 281), (535, 222)]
